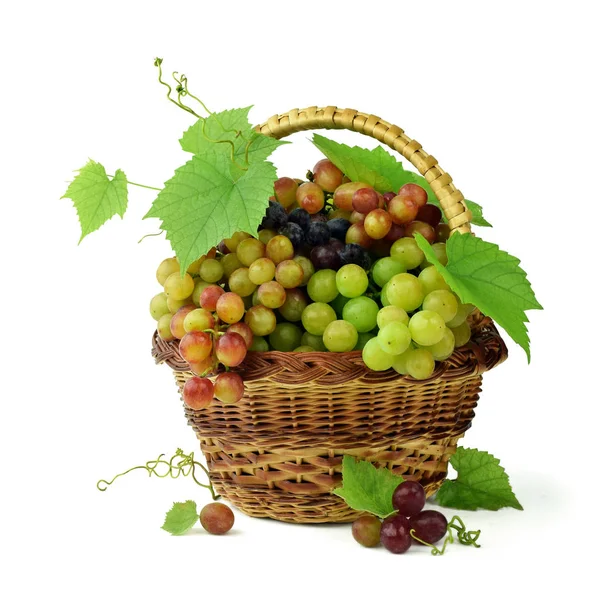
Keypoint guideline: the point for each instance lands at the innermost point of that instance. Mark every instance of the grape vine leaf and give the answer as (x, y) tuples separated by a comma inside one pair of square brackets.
[(481, 483), (208, 199), (366, 488), (96, 197), (226, 130), (181, 517), (489, 278), (380, 169)]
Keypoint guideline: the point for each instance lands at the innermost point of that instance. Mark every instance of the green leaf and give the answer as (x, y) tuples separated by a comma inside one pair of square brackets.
[(181, 517), (477, 213), (96, 197), (366, 488), (208, 199), (481, 483), (491, 279)]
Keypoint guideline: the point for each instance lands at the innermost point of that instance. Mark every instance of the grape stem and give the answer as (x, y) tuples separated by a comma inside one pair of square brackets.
[(434, 550), (137, 184)]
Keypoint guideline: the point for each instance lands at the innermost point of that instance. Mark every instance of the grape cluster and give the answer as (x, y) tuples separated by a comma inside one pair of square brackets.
[(334, 266)]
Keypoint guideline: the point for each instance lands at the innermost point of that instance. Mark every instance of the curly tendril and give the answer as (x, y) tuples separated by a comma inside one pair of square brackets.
[(464, 537)]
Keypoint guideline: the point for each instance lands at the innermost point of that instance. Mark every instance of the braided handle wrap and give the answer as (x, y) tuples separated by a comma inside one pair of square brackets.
[(451, 199)]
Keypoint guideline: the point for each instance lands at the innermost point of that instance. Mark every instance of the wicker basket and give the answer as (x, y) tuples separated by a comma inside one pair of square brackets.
[(278, 452)]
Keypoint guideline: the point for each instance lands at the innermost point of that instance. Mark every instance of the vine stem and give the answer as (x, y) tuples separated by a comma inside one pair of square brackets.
[(138, 184)]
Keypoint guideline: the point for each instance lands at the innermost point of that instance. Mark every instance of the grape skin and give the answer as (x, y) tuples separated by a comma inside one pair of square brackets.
[(367, 531), (217, 518), (395, 534)]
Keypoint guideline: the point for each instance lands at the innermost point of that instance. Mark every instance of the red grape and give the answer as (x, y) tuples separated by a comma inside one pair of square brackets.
[(198, 393), (327, 175), (210, 296), (342, 198), (388, 196), (396, 232), (244, 331), (442, 233), (429, 525), (285, 190), (364, 200), (229, 387), (429, 213), (357, 234), (415, 192), (403, 209), (177, 328), (377, 223), (395, 534), (195, 347), (289, 274), (199, 368), (216, 518), (367, 530), (423, 228), (231, 349), (356, 217), (310, 197), (408, 498), (230, 307)]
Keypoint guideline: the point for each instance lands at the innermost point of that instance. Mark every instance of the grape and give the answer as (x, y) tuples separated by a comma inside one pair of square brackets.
[(390, 314), (164, 327), (317, 234), (429, 525), (378, 223), (229, 387), (442, 233), (396, 232), (444, 347), (195, 347), (409, 498), (271, 294), (230, 263), (316, 317), (356, 218), (385, 269), (430, 214), (431, 280), (304, 349), (338, 228), (313, 341), (322, 286), (363, 338), (405, 291), (415, 192), (338, 304), (366, 530), (205, 367), (261, 271), (211, 271), (440, 252), (399, 364), (286, 337), (428, 232), (198, 320), (261, 320), (320, 217), (310, 197), (340, 336), (357, 235), (198, 289), (179, 287), (198, 393), (244, 330), (285, 191), (426, 327), (249, 250), (231, 349), (325, 257), (294, 233), (402, 210), (230, 308), (354, 253), (178, 319), (327, 175), (210, 295), (259, 344), (301, 218), (337, 245), (266, 234), (307, 267), (194, 268), (364, 200), (335, 214), (362, 313), (233, 242), (394, 338), (381, 248), (174, 305), (222, 248), (275, 217), (289, 274), (280, 248), (464, 310), (462, 334), (407, 252), (383, 296), (166, 268), (342, 198), (351, 280), (395, 534), (158, 306), (442, 302), (420, 364), (295, 303), (240, 283), (388, 196), (216, 518), (375, 358)]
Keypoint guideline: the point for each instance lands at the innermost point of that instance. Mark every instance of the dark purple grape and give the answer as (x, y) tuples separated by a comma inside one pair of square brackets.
[(354, 253), (429, 213), (395, 534), (366, 531), (429, 525), (301, 217), (294, 233), (317, 234), (275, 217), (337, 244), (338, 228), (325, 257), (319, 217), (409, 498), (222, 248), (388, 196)]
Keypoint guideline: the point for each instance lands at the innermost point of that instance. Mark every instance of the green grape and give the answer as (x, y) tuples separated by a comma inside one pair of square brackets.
[(394, 338), (322, 286), (198, 289), (463, 311), (266, 234), (211, 271), (375, 358), (295, 303), (259, 344), (313, 341), (233, 242), (289, 274), (271, 294), (261, 320), (174, 305), (158, 306), (389, 314), (254, 298), (444, 347), (194, 268), (164, 327), (362, 313), (338, 304), (385, 301), (363, 338), (426, 327), (442, 302), (431, 279), (399, 364), (385, 269), (405, 291), (420, 364), (340, 336), (198, 320), (230, 263), (307, 267), (351, 280), (462, 334), (286, 337), (440, 252), (179, 287), (249, 250), (280, 248), (304, 348), (406, 251), (166, 268), (316, 317), (261, 271), (240, 283)]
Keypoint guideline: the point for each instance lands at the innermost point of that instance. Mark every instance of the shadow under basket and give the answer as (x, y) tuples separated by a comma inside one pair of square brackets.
[(277, 453)]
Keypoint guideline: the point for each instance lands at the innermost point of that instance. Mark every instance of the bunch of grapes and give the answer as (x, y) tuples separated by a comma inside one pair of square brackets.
[(334, 266)]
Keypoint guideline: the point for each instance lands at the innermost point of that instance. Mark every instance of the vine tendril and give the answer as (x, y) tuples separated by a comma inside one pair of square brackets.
[(151, 234), (464, 536)]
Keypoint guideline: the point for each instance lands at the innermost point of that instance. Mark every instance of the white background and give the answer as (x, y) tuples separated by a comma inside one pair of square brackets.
[(504, 95)]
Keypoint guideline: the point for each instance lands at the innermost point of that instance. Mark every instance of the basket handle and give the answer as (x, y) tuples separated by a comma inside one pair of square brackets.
[(451, 199)]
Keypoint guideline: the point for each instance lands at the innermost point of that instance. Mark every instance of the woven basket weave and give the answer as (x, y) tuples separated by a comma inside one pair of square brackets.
[(277, 453)]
